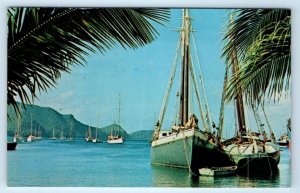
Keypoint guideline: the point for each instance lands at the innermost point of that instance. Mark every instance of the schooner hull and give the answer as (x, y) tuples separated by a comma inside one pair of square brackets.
[(188, 149), (258, 164), (254, 157)]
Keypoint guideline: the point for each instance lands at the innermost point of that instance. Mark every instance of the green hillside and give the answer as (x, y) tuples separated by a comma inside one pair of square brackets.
[(142, 135), (47, 119)]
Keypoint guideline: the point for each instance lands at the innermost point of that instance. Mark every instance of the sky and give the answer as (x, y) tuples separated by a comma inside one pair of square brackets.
[(141, 77)]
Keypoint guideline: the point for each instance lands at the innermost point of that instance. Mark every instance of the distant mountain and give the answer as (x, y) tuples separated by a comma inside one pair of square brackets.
[(141, 135), (46, 119)]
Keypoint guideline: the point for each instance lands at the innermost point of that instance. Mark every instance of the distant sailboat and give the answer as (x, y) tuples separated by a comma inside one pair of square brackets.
[(53, 135), (18, 134), (38, 136), (88, 135), (70, 138), (62, 137), (30, 137), (96, 139), (116, 139), (283, 140)]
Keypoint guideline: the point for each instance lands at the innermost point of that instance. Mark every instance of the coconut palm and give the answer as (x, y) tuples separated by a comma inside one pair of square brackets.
[(261, 40), (44, 42)]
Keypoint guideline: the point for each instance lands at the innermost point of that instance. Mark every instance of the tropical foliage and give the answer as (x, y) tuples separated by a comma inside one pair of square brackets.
[(44, 42), (260, 39)]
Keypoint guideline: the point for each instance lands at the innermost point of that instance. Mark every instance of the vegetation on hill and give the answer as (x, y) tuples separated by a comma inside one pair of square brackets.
[(141, 135), (47, 119)]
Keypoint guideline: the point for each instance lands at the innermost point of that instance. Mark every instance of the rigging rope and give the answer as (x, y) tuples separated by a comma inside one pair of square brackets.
[(202, 83), (185, 152), (167, 93), (272, 136), (198, 96), (259, 122), (221, 116)]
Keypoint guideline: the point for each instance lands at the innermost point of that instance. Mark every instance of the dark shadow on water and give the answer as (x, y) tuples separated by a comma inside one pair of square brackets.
[(260, 174), (173, 177)]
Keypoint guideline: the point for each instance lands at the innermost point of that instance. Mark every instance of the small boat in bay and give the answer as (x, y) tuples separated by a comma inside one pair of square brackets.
[(116, 138), (30, 137), (284, 140), (185, 144), (70, 138), (18, 138), (11, 146), (53, 135), (62, 137), (88, 135), (218, 171), (38, 135), (97, 139)]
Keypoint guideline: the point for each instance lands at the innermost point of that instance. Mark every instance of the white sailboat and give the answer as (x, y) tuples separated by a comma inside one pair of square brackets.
[(30, 137), (70, 138), (97, 139), (53, 135), (38, 136), (88, 136), (116, 139), (62, 137), (18, 134)]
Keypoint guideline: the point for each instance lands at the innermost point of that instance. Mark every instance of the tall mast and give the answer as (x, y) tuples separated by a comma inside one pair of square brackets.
[(71, 128), (239, 95), (221, 118), (185, 45), (97, 126), (119, 114), (31, 124), (272, 136), (119, 109)]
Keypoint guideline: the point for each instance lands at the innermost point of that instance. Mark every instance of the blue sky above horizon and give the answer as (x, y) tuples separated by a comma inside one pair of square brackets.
[(140, 76)]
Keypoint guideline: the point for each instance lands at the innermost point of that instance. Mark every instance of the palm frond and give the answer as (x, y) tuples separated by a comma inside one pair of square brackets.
[(248, 24), (44, 42), (266, 69)]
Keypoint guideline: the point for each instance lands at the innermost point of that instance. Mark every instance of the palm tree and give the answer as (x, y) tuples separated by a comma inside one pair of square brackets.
[(44, 42), (261, 40)]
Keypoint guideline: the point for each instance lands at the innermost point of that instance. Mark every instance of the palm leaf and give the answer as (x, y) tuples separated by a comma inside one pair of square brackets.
[(44, 42), (265, 58)]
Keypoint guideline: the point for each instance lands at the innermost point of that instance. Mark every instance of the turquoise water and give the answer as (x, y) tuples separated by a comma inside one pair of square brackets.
[(49, 163)]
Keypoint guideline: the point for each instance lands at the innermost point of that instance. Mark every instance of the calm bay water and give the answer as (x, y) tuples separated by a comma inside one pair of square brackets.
[(49, 163)]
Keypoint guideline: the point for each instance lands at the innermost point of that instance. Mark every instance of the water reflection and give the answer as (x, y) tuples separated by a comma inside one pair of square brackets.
[(172, 177)]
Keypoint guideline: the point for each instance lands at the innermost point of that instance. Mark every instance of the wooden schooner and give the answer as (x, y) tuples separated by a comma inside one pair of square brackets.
[(253, 152), (185, 145)]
